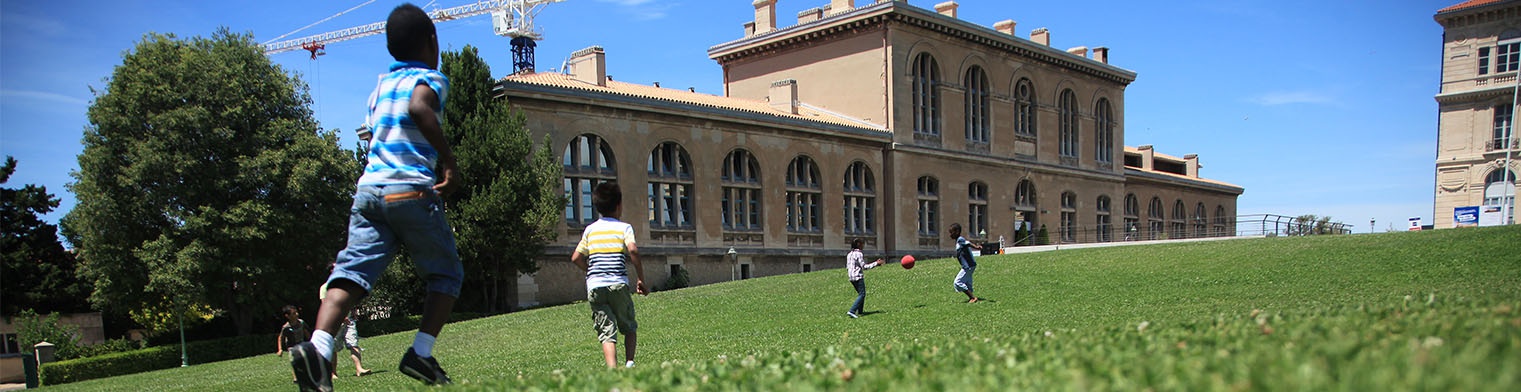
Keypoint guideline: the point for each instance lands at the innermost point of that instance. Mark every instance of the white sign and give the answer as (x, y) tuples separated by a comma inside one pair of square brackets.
[(1415, 224), (1491, 216)]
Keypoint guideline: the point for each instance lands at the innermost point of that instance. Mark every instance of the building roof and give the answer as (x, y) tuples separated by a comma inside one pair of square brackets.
[(1468, 4), (1157, 155), (641, 91)]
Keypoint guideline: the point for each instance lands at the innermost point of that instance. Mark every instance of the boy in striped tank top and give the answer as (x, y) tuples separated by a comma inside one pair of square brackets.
[(605, 246)]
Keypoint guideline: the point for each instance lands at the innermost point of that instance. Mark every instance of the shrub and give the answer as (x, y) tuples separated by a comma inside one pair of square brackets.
[(1042, 237), (32, 328), (678, 280), (154, 358)]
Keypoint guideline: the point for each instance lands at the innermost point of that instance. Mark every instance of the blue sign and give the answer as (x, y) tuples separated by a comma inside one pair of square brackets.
[(1465, 216)]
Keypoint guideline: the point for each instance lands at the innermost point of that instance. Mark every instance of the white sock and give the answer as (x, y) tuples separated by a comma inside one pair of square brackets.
[(423, 344), (324, 343)]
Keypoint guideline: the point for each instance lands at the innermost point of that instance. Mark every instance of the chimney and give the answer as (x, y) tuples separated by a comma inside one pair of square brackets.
[(1080, 51), (1101, 54), (590, 65), (839, 6), (1041, 36), (749, 28), (809, 15), (765, 16), (1005, 26), (1147, 154), (1192, 161), (947, 8), (783, 96)]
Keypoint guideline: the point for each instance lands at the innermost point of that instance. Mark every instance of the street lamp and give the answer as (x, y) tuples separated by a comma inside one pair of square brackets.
[(734, 258), (1370, 225)]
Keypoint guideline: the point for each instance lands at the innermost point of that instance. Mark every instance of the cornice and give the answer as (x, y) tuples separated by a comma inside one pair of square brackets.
[(1475, 95), (1475, 14)]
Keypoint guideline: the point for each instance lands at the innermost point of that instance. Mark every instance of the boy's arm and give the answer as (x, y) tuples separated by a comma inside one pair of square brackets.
[(280, 343), (422, 108), (579, 259), (633, 256)]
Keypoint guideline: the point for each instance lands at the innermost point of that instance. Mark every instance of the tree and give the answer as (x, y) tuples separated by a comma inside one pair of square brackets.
[(1309, 224), (205, 183), (507, 210), (35, 271)]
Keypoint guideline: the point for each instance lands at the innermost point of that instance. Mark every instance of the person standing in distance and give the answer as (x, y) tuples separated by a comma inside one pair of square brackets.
[(397, 202), (855, 265)]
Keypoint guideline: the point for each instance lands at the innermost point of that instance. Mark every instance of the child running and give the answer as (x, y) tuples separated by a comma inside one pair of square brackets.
[(605, 246), (968, 265)]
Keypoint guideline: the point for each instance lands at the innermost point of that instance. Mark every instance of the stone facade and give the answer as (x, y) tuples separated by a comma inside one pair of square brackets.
[(1475, 105), (885, 122)]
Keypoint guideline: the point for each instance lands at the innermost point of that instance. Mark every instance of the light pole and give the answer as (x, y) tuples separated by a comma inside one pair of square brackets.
[(1371, 227), (1508, 177), (734, 258)]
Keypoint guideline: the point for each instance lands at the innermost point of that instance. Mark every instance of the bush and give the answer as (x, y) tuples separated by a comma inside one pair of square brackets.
[(678, 280), (153, 358), (1042, 237), (32, 328), (112, 346)]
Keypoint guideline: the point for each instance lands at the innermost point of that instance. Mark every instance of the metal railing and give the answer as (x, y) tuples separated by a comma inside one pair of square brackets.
[(1143, 230)]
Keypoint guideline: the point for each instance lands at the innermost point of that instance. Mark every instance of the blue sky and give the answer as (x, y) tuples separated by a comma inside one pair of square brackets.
[(1315, 107)]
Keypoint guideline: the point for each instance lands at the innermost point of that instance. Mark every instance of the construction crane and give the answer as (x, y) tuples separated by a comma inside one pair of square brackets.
[(509, 18)]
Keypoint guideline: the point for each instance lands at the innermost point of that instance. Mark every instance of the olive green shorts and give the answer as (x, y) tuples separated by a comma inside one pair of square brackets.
[(612, 311)]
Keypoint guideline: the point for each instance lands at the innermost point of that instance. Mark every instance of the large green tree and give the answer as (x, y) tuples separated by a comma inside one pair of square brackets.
[(35, 271), (205, 183), (508, 209)]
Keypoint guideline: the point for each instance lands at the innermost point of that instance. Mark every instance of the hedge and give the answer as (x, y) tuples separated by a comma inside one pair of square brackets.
[(154, 358)]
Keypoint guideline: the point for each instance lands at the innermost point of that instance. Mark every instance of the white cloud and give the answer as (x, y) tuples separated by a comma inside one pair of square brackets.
[(642, 9), (626, 3), (34, 96), (1293, 97)]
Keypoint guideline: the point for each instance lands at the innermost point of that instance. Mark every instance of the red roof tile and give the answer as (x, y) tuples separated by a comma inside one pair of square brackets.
[(1468, 4)]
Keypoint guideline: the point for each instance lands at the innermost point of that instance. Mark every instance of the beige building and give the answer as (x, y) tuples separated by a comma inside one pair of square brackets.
[(881, 121), (1481, 57)]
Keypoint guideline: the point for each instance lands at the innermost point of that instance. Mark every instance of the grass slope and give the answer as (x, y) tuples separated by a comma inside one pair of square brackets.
[(1421, 310)]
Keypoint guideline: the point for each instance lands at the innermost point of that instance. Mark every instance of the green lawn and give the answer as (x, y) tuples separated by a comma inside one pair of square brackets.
[(1425, 310)]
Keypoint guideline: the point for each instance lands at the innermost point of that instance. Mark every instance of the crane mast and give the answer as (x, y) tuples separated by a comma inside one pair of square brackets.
[(509, 18)]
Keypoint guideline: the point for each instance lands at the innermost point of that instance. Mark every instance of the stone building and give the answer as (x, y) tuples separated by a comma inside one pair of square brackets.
[(1481, 57), (881, 121)]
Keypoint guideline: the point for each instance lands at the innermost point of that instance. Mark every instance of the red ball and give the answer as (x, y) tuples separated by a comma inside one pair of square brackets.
[(907, 262)]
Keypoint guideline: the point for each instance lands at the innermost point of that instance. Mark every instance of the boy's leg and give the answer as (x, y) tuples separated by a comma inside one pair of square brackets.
[(436, 309), (610, 353), (622, 301), (603, 321), (630, 343)]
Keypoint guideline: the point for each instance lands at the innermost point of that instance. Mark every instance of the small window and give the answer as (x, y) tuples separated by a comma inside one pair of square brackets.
[(675, 269), (12, 344), (744, 271), (1484, 60), (807, 267)]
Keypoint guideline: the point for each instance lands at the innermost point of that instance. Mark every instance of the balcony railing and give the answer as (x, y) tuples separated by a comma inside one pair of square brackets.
[(1499, 144)]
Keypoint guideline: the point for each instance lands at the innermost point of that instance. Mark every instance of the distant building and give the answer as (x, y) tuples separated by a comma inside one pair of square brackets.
[(1481, 57), (885, 122)]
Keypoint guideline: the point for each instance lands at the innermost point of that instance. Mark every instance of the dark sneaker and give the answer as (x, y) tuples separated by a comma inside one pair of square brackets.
[(313, 371), (423, 369)]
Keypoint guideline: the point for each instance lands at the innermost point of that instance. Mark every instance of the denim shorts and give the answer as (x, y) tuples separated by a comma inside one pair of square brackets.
[(386, 216)]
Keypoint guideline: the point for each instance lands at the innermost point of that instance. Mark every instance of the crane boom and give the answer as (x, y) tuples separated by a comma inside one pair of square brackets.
[(512, 18)]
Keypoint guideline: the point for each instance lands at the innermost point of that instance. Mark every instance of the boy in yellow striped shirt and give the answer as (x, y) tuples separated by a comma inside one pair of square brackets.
[(605, 246)]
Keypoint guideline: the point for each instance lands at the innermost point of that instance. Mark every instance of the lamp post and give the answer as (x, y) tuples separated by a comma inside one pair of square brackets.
[(1370, 225), (733, 258)]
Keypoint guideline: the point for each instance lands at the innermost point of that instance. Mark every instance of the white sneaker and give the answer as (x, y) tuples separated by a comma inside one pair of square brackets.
[(629, 364), (851, 314)]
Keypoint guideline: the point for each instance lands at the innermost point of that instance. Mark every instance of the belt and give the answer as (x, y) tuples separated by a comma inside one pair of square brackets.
[(403, 196)]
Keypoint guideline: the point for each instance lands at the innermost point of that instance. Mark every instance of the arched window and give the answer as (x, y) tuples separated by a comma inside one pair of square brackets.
[(1103, 149), (1068, 227), (742, 191), (1103, 225), (860, 199), (1132, 217), (926, 99), (670, 187), (1201, 221), (977, 121), (1500, 190), (588, 160), (1179, 220), (1024, 109), (1154, 219), (1068, 123), (929, 206), (977, 210), (803, 196), (1025, 203), (1220, 221)]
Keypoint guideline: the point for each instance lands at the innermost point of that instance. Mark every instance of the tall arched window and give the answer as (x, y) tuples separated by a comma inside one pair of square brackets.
[(1103, 148), (1025, 203), (1220, 221), (1179, 220), (929, 206), (926, 99), (1024, 109), (977, 121), (977, 210), (860, 199), (1500, 190), (742, 191), (1132, 217), (1154, 216), (1103, 225), (670, 186), (1068, 227), (1201, 221), (803, 196), (1068, 123), (588, 160)]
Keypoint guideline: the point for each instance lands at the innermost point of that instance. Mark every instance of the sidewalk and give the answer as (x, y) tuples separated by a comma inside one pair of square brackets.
[(12, 387)]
